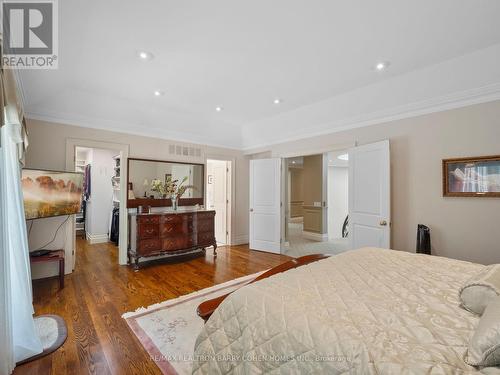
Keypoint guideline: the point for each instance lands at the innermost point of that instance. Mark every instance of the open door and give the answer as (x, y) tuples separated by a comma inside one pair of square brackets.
[(370, 196), (265, 205), (217, 197)]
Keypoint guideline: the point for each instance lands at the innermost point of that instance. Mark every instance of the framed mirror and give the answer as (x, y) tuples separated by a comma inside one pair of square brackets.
[(142, 174)]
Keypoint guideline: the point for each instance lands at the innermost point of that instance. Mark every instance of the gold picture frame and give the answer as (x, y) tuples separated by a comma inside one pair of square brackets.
[(472, 177)]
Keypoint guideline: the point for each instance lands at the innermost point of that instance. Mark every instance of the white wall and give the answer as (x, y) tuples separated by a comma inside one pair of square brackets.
[(338, 202), (101, 195), (43, 231)]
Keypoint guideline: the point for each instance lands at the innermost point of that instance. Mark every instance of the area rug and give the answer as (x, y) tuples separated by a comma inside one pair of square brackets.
[(168, 330), (52, 332)]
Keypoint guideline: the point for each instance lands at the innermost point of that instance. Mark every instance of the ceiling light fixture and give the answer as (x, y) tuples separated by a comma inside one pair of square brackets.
[(382, 66), (144, 55), (218, 109), (343, 157), (277, 101), (159, 93)]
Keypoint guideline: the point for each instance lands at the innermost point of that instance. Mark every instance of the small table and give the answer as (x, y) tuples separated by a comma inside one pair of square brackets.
[(53, 256)]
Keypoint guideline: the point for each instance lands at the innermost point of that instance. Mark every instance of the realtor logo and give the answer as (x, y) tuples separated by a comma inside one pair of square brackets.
[(29, 34)]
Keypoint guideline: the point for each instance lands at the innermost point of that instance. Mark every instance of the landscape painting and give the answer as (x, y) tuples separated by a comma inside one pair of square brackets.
[(49, 193), (472, 177)]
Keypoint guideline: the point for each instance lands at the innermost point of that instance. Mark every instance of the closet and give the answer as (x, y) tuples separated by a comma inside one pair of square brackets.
[(98, 220)]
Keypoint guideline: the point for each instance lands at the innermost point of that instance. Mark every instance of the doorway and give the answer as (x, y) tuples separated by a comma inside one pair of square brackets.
[(338, 199), (219, 197), (98, 220), (316, 208), (123, 151)]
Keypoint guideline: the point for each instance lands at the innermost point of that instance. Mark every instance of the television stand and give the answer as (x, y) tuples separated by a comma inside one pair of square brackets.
[(52, 256)]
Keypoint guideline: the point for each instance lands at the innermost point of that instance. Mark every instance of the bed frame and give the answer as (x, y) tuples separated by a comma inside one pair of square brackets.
[(206, 309)]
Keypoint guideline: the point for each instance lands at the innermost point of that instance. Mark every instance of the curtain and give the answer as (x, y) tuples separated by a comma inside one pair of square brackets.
[(25, 340), (19, 340), (7, 362)]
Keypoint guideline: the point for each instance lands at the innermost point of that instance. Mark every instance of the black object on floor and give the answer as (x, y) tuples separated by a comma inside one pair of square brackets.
[(423, 239)]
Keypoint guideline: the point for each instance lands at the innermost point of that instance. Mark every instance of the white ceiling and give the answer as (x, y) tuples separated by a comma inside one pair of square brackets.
[(242, 55)]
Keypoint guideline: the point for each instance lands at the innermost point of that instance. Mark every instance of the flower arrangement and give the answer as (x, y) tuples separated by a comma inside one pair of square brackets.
[(171, 188)]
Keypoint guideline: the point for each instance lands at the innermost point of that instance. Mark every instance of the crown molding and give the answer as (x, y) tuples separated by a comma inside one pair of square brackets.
[(87, 122), (465, 98), (461, 99)]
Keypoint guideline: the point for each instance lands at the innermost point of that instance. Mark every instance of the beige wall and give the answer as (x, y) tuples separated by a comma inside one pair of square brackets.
[(462, 228), (313, 175), (47, 150), (296, 184), (313, 193), (296, 192)]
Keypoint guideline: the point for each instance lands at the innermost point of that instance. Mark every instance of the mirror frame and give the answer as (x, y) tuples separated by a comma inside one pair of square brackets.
[(134, 203)]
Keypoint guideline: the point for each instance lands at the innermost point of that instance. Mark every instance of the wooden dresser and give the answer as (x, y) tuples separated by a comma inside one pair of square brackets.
[(170, 233)]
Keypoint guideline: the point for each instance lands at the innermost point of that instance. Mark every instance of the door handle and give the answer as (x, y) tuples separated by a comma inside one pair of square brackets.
[(383, 223), (251, 210)]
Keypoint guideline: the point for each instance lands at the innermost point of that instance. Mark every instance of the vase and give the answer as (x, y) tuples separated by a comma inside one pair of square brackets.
[(175, 203)]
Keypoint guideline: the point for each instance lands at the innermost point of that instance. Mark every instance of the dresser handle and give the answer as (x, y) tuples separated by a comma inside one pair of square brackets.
[(149, 231)]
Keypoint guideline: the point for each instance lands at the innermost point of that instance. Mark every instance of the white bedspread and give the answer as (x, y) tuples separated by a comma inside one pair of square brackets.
[(368, 311)]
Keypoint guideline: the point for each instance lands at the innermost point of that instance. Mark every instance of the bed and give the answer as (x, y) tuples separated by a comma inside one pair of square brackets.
[(367, 311)]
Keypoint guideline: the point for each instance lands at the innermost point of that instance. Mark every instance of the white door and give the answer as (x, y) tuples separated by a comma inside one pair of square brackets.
[(218, 199), (370, 196), (265, 205)]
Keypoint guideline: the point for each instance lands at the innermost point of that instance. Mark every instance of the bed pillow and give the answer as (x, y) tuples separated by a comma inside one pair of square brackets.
[(484, 346), (480, 289)]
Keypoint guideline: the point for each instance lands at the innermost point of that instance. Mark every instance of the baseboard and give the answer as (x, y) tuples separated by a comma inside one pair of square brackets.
[(298, 219), (320, 237), (96, 238), (241, 239)]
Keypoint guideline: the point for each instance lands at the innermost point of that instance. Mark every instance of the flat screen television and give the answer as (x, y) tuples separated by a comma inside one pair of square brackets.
[(51, 193)]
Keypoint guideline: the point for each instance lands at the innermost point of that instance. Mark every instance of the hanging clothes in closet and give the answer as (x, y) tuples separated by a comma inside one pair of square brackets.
[(87, 182), (115, 226)]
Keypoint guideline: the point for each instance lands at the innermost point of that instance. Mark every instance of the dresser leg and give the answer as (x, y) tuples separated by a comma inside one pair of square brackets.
[(215, 250), (136, 264)]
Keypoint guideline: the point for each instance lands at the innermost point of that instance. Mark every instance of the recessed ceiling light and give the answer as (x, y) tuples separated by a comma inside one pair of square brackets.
[(382, 66), (218, 109), (277, 101), (144, 55), (159, 93), (343, 157)]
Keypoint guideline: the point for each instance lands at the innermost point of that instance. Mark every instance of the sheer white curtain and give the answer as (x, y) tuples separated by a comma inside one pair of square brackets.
[(21, 340), (7, 362)]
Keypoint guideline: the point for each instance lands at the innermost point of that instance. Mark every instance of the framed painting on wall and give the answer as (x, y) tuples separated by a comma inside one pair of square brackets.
[(472, 177)]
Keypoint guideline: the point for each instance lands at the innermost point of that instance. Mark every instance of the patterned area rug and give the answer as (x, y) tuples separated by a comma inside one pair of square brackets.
[(168, 330)]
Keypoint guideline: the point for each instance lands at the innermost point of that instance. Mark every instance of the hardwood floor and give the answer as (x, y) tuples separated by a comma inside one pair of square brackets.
[(99, 291)]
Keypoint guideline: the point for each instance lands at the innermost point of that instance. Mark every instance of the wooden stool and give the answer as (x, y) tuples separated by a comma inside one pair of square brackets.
[(53, 256)]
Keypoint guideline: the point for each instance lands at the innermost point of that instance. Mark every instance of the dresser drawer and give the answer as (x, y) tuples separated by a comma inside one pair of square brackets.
[(145, 247), (148, 219), (178, 243), (206, 239), (173, 219), (148, 230), (173, 229), (205, 226), (206, 215)]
